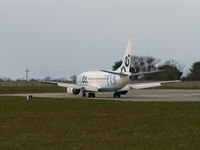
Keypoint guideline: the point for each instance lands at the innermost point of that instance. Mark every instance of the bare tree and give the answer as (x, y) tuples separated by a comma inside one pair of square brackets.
[(142, 64), (73, 78), (172, 71), (48, 78)]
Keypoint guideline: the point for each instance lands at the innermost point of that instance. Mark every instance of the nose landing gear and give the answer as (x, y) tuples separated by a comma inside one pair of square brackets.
[(84, 94)]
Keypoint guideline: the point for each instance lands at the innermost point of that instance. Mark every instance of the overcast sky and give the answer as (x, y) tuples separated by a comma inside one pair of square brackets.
[(60, 38)]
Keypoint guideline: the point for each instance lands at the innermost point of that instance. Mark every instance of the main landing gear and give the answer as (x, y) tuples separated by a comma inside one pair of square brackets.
[(117, 94), (84, 94), (90, 95)]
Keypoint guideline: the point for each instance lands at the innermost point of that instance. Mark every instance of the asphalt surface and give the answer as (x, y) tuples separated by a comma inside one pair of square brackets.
[(133, 95)]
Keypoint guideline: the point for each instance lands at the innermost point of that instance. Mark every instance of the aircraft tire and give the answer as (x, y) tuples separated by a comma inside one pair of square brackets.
[(93, 95), (84, 95), (118, 95), (115, 95), (89, 95)]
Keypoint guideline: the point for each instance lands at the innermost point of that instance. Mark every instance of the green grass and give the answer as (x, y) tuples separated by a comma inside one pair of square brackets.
[(54, 124), (34, 89)]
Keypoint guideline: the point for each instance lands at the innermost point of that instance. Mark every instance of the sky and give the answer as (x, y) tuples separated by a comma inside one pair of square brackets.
[(61, 38)]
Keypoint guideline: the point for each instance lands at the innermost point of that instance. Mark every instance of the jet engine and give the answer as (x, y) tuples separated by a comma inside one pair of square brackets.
[(73, 91), (123, 92)]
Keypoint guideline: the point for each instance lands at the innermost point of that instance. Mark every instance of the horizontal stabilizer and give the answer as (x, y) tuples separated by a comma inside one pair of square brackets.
[(143, 73), (117, 73)]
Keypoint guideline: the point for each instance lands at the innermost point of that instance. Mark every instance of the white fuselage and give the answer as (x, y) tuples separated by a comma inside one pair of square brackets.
[(105, 82)]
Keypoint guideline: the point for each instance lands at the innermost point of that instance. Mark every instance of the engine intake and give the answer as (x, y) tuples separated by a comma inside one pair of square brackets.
[(73, 91)]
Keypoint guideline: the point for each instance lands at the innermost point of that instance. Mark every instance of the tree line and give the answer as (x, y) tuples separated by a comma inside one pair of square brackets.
[(173, 70)]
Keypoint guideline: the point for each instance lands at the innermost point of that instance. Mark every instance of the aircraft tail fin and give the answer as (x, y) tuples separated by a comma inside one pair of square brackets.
[(126, 62)]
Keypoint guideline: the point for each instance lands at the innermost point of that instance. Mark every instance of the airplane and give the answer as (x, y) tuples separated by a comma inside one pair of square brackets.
[(119, 82)]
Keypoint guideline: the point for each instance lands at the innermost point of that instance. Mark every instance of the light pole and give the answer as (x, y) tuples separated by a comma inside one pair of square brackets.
[(27, 71)]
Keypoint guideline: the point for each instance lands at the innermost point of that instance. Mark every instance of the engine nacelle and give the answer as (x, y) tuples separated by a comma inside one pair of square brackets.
[(123, 92), (73, 91)]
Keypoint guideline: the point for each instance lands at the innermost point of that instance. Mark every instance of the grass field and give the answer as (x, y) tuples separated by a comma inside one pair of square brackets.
[(34, 89), (54, 124)]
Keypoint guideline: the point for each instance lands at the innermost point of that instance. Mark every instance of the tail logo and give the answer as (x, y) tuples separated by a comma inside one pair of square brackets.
[(127, 60), (126, 63)]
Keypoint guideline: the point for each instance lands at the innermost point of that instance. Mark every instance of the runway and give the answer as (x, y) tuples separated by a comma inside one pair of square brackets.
[(133, 95)]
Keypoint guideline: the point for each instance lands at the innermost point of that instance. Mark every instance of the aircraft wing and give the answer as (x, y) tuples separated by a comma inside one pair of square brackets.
[(146, 85), (72, 85), (131, 75), (143, 73)]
